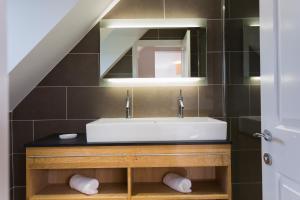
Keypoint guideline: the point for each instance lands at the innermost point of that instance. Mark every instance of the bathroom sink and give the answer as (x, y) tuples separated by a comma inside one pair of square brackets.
[(156, 129)]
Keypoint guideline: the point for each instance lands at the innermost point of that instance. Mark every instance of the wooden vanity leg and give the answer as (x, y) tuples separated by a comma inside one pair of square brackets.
[(129, 182), (229, 186)]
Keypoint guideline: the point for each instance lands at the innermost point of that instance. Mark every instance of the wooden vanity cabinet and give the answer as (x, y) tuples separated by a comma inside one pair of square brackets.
[(129, 172)]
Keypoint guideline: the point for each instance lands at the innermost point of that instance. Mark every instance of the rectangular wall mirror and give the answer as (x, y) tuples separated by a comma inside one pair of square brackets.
[(153, 48)]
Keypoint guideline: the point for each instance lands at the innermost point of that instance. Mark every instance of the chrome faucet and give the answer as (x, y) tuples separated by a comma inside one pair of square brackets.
[(128, 106), (180, 105)]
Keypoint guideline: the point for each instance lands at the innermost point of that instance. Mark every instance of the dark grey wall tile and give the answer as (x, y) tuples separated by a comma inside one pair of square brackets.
[(236, 69), (215, 35), (227, 9), (227, 64), (247, 191), (90, 43), (42, 103), (234, 35), (237, 100), (246, 166), (10, 138), (11, 176), (255, 106), (162, 101), (22, 134), (49, 127), (241, 69), (215, 68), (242, 139), (173, 34), (96, 102), (75, 70), (130, 9), (151, 34), (211, 101), (19, 169), (244, 8), (123, 68), (19, 193), (11, 194), (193, 9)]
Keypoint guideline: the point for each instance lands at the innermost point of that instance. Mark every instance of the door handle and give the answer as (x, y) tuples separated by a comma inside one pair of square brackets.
[(267, 135)]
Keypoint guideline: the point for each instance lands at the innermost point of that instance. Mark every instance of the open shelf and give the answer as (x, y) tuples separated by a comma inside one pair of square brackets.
[(200, 190), (53, 184), (117, 191), (206, 183)]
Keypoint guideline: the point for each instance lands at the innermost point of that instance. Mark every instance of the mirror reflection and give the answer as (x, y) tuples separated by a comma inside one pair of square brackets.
[(153, 52), (251, 48)]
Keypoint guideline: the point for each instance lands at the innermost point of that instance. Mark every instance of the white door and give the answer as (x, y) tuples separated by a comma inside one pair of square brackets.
[(280, 76)]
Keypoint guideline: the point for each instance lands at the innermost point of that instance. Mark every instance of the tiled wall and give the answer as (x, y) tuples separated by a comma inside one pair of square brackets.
[(70, 96), (243, 100)]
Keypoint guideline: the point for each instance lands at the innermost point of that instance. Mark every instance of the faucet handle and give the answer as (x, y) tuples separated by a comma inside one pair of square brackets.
[(180, 105), (128, 107)]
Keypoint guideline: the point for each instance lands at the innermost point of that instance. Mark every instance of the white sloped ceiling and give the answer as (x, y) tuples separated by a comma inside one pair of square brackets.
[(40, 39)]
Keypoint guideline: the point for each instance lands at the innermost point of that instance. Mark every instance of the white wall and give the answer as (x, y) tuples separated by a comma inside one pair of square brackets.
[(4, 142), (54, 46), (29, 21)]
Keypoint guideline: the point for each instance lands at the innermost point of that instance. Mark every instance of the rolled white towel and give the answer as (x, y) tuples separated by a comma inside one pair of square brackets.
[(178, 183), (84, 184)]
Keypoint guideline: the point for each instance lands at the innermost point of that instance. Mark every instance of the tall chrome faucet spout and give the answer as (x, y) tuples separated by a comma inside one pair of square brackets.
[(128, 107), (180, 113)]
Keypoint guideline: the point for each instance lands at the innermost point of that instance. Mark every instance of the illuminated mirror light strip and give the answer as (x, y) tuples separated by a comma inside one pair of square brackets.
[(138, 82), (255, 78), (153, 23), (252, 22)]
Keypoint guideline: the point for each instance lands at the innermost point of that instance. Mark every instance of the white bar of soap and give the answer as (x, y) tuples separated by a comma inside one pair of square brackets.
[(68, 136)]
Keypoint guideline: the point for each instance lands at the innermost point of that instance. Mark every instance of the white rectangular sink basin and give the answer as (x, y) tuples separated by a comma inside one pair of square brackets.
[(156, 130)]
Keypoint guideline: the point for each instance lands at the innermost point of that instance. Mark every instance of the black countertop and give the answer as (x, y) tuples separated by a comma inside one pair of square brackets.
[(54, 141)]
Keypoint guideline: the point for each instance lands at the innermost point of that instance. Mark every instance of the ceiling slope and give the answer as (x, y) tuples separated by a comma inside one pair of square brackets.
[(54, 46), (29, 22)]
